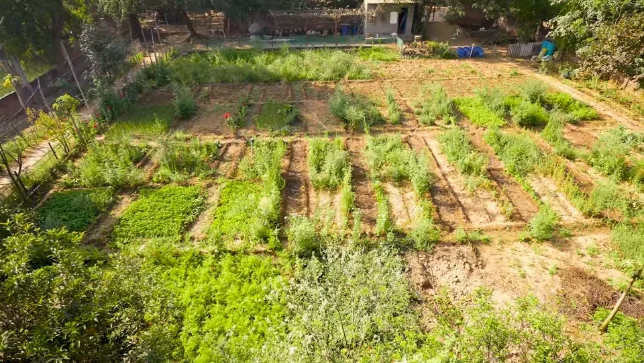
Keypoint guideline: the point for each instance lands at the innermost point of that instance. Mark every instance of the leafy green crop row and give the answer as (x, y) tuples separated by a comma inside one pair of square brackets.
[(276, 117), (179, 160), (74, 209), (393, 110), (110, 163), (355, 111), (434, 104), (477, 112), (611, 155), (328, 163), (469, 162)]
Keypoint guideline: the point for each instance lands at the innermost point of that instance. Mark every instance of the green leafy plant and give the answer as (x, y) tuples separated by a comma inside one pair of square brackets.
[(533, 91), (382, 54), (142, 120), (110, 163), (462, 236), (302, 236), (553, 133), (543, 226), (236, 120), (353, 110), (577, 110), (395, 114), (179, 160), (184, 103), (276, 117), (624, 336), (74, 209), (160, 213), (610, 153), (630, 238), (477, 112), (519, 153), (434, 104), (527, 114), (494, 99), (469, 162), (328, 163)]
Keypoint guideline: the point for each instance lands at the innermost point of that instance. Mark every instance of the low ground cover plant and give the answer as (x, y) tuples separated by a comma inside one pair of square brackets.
[(519, 153), (74, 209), (147, 121), (109, 163), (494, 99), (553, 133), (471, 163), (276, 117), (543, 226), (355, 111), (160, 213), (528, 114), (393, 110), (478, 113), (577, 110), (382, 54), (630, 238), (179, 160), (390, 159), (610, 154), (328, 163), (434, 104)]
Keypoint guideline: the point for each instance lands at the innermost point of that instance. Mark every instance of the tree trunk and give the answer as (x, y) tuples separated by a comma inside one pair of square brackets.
[(188, 22), (637, 275), (58, 24), (135, 25), (7, 66)]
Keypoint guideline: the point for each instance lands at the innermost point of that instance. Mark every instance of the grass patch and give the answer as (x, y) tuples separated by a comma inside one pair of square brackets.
[(393, 110), (111, 163), (528, 114), (630, 239), (577, 110), (355, 111), (434, 104), (390, 159), (142, 120), (478, 113), (610, 154), (494, 99), (276, 117), (180, 160), (74, 209), (468, 161), (382, 54), (160, 213), (519, 153), (328, 163)]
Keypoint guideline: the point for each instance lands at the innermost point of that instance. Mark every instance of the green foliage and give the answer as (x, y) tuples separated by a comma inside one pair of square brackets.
[(533, 91), (276, 117), (553, 133), (142, 121), (630, 239), (389, 159), (435, 104), (110, 163), (395, 114), (302, 237), (179, 160), (625, 336), (230, 305), (74, 209), (160, 213), (610, 197), (106, 51), (384, 224), (519, 153), (184, 103), (424, 234), (354, 110), (543, 226), (62, 302), (328, 163), (382, 54), (236, 66), (462, 236), (494, 99), (236, 120), (477, 112), (237, 214), (528, 114), (471, 163), (610, 153), (577, 110)]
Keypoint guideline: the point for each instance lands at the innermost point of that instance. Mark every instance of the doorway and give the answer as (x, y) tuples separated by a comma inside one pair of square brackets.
[(402, 20)]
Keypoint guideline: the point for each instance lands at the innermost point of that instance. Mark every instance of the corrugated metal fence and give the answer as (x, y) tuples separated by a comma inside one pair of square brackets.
[(524, 50)]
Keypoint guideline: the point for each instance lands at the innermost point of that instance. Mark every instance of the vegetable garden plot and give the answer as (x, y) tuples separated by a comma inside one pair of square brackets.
[(74, 209), (365, 200), (161, 214)]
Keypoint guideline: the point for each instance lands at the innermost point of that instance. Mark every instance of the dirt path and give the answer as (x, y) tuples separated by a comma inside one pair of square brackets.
[(99, 232), (30, 158), (296, 191), (601, 107), (230, 158), (451, 211), (365, 197)]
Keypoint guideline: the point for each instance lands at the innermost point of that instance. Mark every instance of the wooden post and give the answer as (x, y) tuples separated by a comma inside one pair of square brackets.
[(71, 67), (637, 275), (52, 150)]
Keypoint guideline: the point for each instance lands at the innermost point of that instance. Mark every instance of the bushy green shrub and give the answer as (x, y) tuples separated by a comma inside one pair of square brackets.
[(276, 117), (302, 237), (74, 209), (160, 213), (553, 133), (625, 336), (179, 160), (533, 91), (577, 110), (630, 239), (543, 226), (184, 103), (610, 153), (395, 114), (469, 162), (434, 104), (424, 234), (477, 112), (236, 120), (328, 163), (494, 99), (109, 164), (389, 159), (353, 110), (528, 114), (610, 197), (519, 153)]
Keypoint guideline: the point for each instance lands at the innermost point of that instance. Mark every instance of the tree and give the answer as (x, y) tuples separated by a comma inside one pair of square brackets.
[(119, 10), (106, 51)]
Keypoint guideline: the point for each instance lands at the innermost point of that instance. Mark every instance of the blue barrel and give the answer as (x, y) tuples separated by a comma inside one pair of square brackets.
[(344, 30), (354, 30)]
